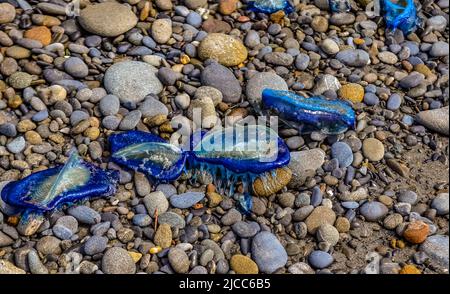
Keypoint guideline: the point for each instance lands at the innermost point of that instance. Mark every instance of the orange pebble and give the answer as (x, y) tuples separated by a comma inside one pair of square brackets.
[(410, 269), (41, 34), (416, 232)]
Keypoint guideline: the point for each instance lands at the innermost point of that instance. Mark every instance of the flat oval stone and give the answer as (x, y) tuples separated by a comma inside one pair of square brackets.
[(225, 49), (186, 200), (131, 81), (268, 253), (109, 19)]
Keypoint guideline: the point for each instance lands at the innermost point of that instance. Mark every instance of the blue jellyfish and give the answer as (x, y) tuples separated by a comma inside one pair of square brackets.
[(49, 189), (270, 6), (400, 14), (314, 113)]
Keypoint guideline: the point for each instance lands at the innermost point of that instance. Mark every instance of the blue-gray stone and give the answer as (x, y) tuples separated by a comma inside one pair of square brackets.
[(316, 197), (437, 248), (40, 116), (353, 57), (186, 200), (194, 19), (268, 253), (408, 196), (373, 211), (320, 259), (371, 99), (343, 153), (394, 102), (246, 229), (142, 220), (441, 204), (16, 145), (95, 244), (84, 214)]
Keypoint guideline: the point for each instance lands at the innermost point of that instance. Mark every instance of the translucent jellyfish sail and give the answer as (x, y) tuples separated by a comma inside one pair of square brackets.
[(149, 154), (74, 181), (315, 113), (270, 6), (339, 5), (400, 14)]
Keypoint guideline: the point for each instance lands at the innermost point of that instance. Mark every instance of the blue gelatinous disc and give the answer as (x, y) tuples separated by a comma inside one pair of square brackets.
[(147, 153), (251, 149), (400, 14), (270, 6), (48, 189), (328, 116)]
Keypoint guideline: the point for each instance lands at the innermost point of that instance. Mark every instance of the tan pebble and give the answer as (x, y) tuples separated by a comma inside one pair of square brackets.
[(242, 264), (33, 137)]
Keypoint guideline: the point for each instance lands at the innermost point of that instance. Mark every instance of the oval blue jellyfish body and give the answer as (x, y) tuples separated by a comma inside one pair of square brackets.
[(243, 149), (270, 6), (48, 189), (401, 15), (328, 116), (149, 154)]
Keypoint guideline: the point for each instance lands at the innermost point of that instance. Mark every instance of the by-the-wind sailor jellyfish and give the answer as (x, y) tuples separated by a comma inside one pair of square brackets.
[(270, 6), (400, 14), (339, 5), (314, 113), (48, 189)]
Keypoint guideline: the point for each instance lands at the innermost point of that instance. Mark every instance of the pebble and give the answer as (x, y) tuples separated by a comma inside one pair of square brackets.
[(373, 149), (329, 46), (120, 80), (172, 219), (76, 67), (327, 233), (162, 30), (65, 227), (412, 80), (109, 19), (394, 102), (352, 92), (163, 236), (437, 247), (441, 204), (20, 80), (84, 214), (279, 58), (117, 260), (95, 245), (243, 265), (156, 201), (221, 78), (321, 215), (435, 120), (408, 196), (49, 245), (186, 200), (231, 217), (35, 264), (17, 145), (7, 267), (179, 260), (320, 259), (109, 105), (7, 13), (439, 49), (353, 57), (343, 153), (373, 210), (232, 51), (388, 57), (130, 121), (245, 229), (268, 253), (301, 161), (261, 81), (416, 232)]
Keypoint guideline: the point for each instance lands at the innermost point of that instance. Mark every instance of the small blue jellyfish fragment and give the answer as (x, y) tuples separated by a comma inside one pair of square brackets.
[(339, 5), (314, 113), (246, 203), (48, 189), (270, 6), (149, 154), (400, 14)]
